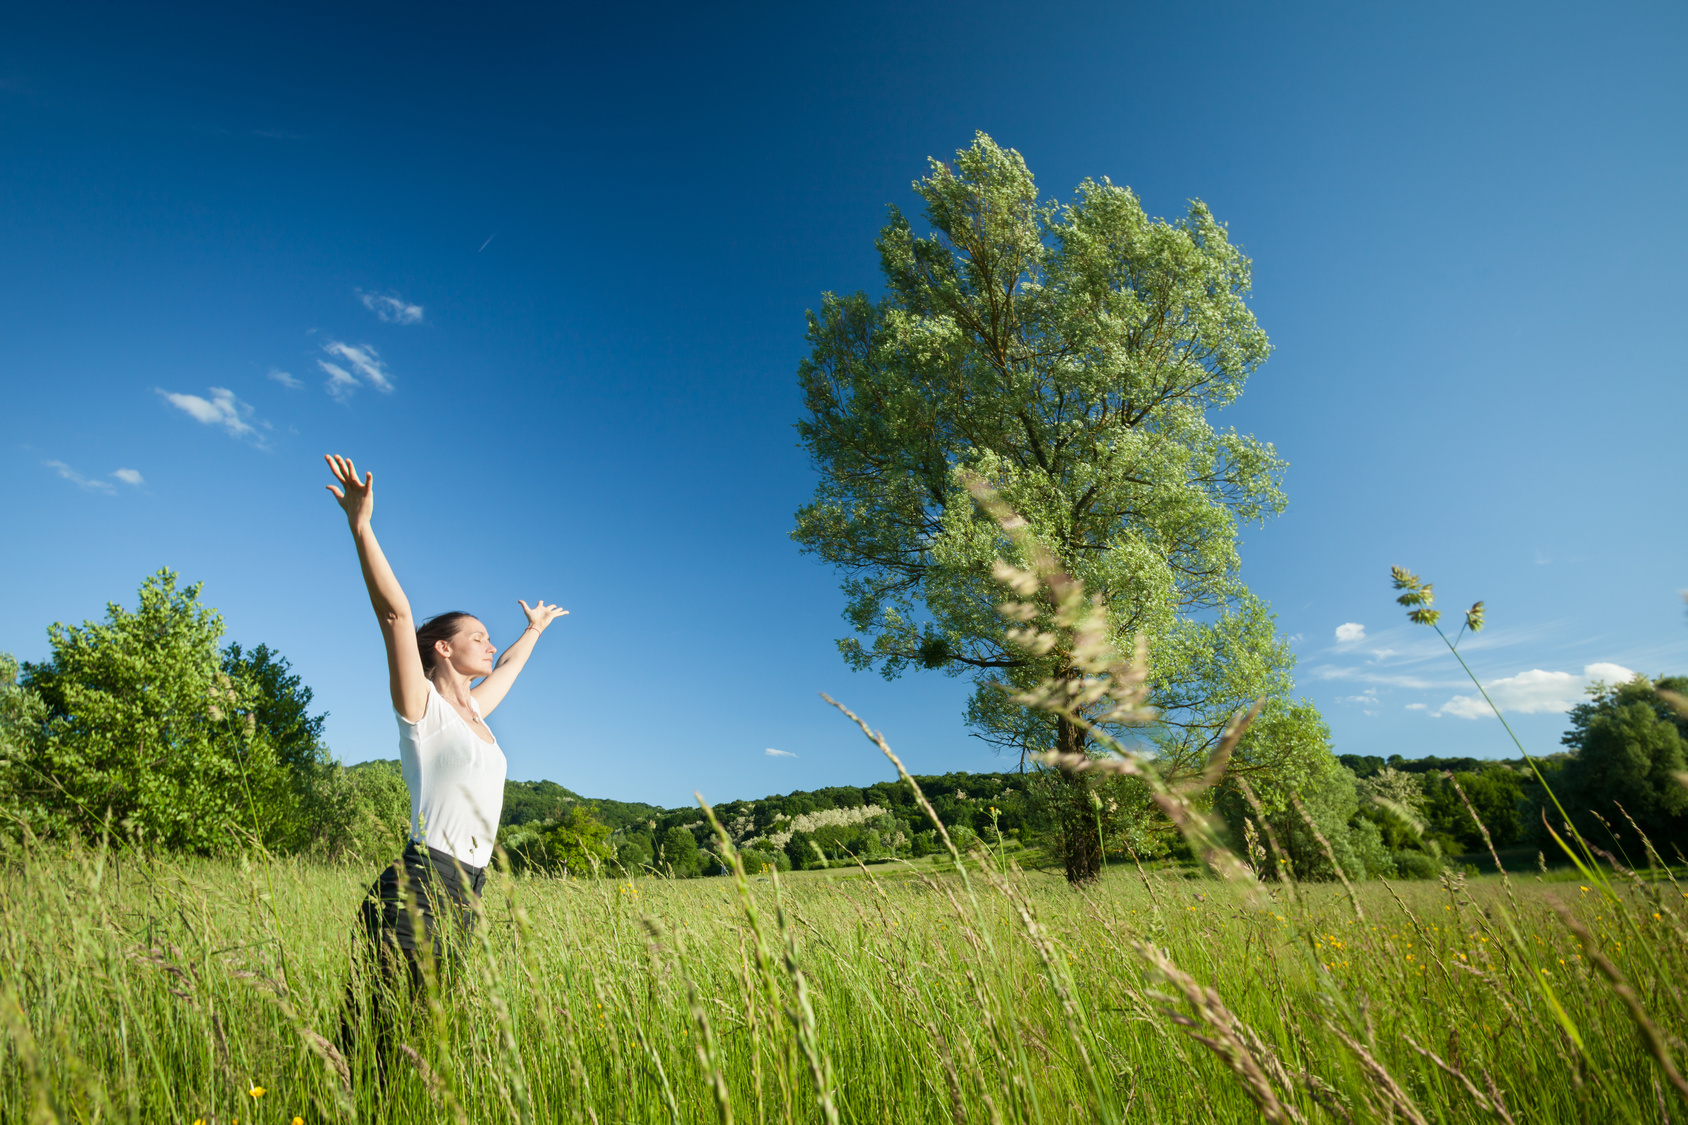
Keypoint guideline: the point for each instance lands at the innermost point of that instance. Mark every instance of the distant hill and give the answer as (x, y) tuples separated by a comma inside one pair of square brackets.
[(528, 802), (958, 798)]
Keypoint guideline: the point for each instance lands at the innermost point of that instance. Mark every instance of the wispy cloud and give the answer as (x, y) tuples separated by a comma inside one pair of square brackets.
[(221, 409), (772, 753), (79, 480), (1349, 632), (130, 476), (1417, 706), (1387, 679), (341, 382), (1535, 692), (361, 358), (284, 379), (391, 308)]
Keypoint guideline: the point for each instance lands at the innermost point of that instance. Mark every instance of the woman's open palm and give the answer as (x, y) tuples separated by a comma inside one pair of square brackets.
[(357, 498), (540, 614)]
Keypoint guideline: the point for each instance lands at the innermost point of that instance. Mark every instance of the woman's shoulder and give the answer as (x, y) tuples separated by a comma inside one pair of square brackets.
[(430, 710)]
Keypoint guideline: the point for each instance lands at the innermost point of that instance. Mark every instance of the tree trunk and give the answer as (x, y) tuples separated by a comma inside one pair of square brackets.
[(1081, 843)]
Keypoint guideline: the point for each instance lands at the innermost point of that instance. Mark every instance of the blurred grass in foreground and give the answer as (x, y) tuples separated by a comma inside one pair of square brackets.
[(171, 990)]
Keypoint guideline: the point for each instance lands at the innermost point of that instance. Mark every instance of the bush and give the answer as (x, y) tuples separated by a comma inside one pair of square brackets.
[(801, 851), (1416, 865), (633, 852), (359, 814), (577, 843), (144, 727), (678, 853), (762, 856)]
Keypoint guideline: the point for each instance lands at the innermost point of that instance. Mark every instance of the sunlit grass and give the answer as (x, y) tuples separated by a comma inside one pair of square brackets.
[(169, 990)]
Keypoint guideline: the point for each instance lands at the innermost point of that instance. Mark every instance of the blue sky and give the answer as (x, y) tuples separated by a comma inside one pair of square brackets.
[(559, 258)]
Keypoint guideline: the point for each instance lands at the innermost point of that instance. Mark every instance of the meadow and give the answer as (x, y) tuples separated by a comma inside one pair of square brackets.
[(167, 989)]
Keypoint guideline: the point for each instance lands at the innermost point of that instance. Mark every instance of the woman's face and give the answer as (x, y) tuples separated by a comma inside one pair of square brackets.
[(470, 650)]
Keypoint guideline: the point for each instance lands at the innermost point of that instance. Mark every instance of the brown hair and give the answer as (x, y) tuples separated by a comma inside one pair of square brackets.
[(440, 627)]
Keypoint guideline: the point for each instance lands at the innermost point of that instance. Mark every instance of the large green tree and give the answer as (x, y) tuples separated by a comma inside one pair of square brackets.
[(1070, 355)]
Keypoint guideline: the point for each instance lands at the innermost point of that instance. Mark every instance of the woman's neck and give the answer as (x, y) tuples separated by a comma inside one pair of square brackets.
[(452, 684)]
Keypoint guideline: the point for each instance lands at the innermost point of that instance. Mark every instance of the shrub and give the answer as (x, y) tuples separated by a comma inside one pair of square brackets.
[(1416, 865)]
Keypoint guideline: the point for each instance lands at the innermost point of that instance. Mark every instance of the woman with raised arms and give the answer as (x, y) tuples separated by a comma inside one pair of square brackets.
[(452, 764)]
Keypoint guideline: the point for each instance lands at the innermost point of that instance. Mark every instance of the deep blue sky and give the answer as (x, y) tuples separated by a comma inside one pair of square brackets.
[(1468, 234)]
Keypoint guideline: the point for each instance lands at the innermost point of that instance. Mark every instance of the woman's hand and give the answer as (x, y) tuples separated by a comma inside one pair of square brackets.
[(541, 615), (357, 499), (490, 692)]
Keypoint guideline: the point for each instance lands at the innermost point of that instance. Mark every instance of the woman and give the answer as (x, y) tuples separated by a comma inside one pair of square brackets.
[(452, 764)]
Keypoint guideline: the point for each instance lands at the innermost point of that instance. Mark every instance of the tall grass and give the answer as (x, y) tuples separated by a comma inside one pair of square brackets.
[(144, 989), (152, 990)]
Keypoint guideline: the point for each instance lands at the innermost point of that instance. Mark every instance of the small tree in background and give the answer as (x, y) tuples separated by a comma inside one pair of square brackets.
[(677, 852), (280, 706), (579, 843), (358, 814), (1628, 749), (143, 724), (1284, 754)]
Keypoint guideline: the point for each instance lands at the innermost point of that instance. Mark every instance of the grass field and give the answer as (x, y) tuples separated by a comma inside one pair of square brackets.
[(171, 990)]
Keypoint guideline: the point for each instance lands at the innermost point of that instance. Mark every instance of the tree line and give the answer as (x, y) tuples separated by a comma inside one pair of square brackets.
[(147, 726), (1618, 779)]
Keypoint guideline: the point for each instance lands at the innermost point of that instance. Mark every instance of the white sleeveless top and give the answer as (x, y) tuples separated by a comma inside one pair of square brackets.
[(456, 781)]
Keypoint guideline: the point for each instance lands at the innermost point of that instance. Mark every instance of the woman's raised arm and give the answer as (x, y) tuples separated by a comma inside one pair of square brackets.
[(405, 677)]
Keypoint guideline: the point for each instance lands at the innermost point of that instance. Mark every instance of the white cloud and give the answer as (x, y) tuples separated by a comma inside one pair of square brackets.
[(1388, 679), (130, 476), (285, 379), (772, 753), (1350, 632), (1417, 706), (363, 359), (391, 308), (79, 480), (1535, 692), (340, 381), (221, 409), (1608, 673)]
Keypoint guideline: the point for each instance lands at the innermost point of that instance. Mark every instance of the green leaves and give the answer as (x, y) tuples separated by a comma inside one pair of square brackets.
[(1068, 355), (146, 732)]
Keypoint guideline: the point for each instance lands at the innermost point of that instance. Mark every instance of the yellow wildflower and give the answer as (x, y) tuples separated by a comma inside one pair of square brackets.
[(257, 1091)]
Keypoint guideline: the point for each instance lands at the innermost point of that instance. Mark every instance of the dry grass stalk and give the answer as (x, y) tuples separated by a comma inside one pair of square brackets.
[(1651, 1037), (1382, 1079), (1234, 1042), (431, 1082), (1286, 874), (1484, 1102)]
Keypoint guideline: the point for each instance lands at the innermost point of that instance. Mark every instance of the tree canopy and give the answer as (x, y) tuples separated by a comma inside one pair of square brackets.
[(144, 730), (1629, 749), (1069, 355)]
